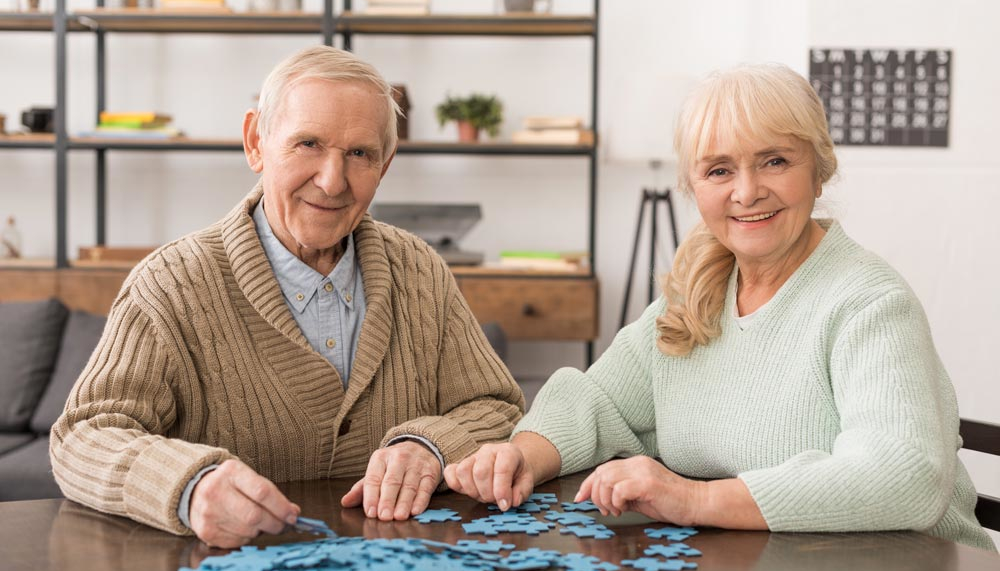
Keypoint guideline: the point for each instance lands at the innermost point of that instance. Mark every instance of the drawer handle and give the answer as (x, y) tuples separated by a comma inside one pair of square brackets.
[(528, 310)]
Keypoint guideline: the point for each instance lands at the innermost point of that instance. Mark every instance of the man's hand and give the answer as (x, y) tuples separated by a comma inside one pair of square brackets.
[(398, 483), (495, 473), (643, 485), (233, 504)]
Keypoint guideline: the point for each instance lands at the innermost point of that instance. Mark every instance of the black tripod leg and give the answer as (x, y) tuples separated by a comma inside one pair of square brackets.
[(635, 254)]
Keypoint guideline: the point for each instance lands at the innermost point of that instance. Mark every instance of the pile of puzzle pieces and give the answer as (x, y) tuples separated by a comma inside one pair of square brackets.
[(359, 554)]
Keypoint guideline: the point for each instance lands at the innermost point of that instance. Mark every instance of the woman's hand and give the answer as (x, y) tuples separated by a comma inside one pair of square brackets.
[(497, 473), (641, 484)]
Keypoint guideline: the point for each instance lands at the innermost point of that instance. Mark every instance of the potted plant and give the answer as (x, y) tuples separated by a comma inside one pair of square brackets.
[(473, 113)]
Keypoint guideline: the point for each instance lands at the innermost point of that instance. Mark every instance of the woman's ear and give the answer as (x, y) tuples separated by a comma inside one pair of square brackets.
[(251, 141)]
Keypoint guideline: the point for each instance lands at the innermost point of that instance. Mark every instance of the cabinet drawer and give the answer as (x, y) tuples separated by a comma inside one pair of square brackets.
[(535, 308)]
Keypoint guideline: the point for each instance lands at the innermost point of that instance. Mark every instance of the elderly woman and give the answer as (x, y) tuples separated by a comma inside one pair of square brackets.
[(787, 378)]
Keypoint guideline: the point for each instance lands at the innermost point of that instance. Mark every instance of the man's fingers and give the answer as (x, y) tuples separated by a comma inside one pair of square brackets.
[(353, 497), (262, 492), (407, 494), (504, 468), (466, 481), (425, 489), (451, 478), (372, 486), (392, 481)]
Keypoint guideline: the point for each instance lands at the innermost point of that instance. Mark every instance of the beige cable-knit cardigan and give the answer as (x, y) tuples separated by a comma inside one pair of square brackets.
[(201, 361)]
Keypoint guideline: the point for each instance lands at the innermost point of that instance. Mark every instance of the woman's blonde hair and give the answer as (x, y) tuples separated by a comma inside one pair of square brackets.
[(746, 103), (330, 64)]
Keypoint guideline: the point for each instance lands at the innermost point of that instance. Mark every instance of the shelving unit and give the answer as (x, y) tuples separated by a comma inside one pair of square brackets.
[(327, 25)]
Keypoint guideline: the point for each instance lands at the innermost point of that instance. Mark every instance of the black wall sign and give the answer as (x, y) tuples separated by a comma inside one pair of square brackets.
[(884, 96)]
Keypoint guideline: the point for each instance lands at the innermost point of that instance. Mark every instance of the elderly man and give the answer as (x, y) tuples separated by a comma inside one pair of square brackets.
[(294, 339)]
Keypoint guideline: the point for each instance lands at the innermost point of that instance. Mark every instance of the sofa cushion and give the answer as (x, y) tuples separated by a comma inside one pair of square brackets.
[(80, 336), (29, 341), (26, 473), (10, 441)]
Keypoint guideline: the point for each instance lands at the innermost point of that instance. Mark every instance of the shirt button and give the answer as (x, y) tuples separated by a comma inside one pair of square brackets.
[(328, 287), (331, 343), (300, 296), (348, 297)]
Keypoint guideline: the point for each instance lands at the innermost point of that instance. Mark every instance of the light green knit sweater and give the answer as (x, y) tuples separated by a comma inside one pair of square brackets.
[(832, 405)]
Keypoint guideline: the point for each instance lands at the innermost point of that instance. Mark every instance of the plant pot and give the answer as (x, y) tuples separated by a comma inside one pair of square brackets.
[(467, 133)]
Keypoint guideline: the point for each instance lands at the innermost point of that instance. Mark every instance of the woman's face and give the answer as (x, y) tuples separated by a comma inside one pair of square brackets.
[(757, 197)]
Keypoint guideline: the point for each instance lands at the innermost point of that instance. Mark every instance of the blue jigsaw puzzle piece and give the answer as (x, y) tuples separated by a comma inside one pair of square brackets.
[(570, 518), (672, 551), (581, 562), (310, 525), (437, 516), (671, 533), (480, 527), (525, 507), (650, 564), (543, 498), (493, 546), (584, 506), (596, 531)]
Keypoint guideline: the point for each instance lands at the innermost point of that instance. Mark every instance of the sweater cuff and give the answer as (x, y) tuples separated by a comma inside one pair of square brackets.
[(157, 479), (452, 440), (184, 509)]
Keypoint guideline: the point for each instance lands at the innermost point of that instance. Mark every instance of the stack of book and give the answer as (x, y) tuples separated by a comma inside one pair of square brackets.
[(140, 124), (552, 130), (193, 5), (542, 260), (399, 7)]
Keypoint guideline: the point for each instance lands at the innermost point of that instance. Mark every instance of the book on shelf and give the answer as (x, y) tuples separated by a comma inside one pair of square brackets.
[(553, 122), (543, 260), (125, 133), (554, 137), (398, 7), (135, 117)]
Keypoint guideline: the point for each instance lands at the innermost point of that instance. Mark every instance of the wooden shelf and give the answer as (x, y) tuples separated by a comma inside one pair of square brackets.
[(138, 20), (172, 144), (467, 25), (32, 22), (491, 148), (27, 264), (502, 272), (28, 141)]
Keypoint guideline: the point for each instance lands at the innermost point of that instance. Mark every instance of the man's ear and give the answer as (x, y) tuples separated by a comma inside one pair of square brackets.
[(385, 165), (251, 141)]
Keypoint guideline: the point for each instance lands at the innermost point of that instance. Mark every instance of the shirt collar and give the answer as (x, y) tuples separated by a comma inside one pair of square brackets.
[(298, 282)]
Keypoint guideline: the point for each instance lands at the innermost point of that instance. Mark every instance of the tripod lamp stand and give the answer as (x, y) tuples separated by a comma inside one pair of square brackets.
[(651, 197)]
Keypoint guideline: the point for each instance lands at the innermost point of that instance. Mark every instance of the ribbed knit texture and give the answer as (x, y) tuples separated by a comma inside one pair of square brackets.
[(201, 361), (832, 406)]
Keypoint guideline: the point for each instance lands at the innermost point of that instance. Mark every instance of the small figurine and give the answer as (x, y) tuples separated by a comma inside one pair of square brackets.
[(10, 241)]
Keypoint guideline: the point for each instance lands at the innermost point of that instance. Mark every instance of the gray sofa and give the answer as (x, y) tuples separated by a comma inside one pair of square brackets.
[(43, 349)]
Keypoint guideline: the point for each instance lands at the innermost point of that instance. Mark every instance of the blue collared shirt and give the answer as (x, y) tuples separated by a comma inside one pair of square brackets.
[(328, 309)]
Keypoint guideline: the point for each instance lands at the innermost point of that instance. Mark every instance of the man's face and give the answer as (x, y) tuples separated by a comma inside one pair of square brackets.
[(321, 161)]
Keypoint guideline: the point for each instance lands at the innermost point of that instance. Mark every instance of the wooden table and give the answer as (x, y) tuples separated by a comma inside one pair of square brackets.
[(59, 534)]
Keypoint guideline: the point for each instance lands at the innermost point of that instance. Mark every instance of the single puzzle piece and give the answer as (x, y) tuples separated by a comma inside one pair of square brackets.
[(310, 525), (570, 518), (493, 546), (596, 531), (650, 564), (584, 506), (480, 527), (672, 551), (525, 507), (437, 516), (581, 562), (543, 498), (671, 533)]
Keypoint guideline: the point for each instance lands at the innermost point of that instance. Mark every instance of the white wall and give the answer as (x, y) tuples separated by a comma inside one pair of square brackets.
[(928, 211)]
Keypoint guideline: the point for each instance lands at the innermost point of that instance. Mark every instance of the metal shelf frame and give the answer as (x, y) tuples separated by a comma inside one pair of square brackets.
[(328, 25)]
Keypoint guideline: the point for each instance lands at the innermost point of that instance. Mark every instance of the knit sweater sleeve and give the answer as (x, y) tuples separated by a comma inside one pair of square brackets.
[(606, 411), (893, 464), (108, 448), (477, 399)]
